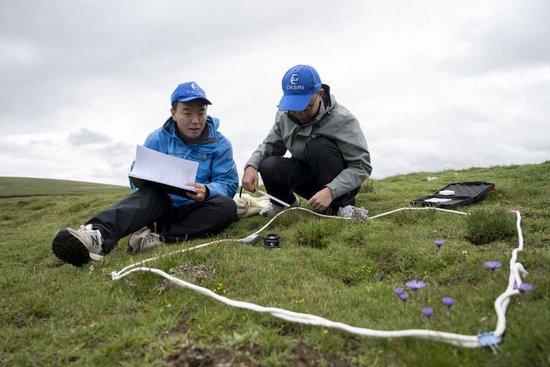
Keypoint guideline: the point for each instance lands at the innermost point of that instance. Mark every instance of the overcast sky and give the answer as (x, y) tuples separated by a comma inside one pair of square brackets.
[(435, 85)]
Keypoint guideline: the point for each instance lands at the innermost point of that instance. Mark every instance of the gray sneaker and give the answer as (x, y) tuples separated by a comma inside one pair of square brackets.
[(143, 240), (272, 210), (78, 246), (351, 212)]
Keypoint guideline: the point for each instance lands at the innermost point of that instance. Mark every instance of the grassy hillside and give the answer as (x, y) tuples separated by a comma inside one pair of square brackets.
[(18, 186), (56, 314)]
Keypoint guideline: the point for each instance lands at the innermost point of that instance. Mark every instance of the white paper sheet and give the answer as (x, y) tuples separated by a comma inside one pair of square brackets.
[(159, 167), (437, 200)]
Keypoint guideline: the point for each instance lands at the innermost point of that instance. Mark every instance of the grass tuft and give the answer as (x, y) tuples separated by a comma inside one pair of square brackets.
[(312, 234), (356, 235), (79, 206), (367, 186), (487, 225)]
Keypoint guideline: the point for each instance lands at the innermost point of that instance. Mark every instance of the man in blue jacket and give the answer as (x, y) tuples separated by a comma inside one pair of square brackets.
[(190, 134)]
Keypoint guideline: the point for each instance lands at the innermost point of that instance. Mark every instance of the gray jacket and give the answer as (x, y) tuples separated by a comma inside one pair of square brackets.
[(334, 122)]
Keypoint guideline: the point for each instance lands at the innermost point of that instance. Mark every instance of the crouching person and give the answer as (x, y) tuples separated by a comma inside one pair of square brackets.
[(191, 134), (330, 157)]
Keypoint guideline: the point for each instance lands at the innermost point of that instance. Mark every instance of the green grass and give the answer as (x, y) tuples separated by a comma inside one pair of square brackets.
[(56, 314), (487, 225), (23, 187)]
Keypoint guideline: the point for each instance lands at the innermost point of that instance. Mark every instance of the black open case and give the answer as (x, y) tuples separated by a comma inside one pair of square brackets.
[(465, 193)]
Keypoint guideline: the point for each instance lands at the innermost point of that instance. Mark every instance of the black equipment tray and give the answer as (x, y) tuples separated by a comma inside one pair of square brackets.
[(466, 193)]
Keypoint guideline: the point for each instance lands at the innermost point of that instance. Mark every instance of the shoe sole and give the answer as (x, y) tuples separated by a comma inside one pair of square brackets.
[(70, 249)]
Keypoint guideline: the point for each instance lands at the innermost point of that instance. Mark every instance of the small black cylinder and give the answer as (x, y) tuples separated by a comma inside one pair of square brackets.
[(271, 241)]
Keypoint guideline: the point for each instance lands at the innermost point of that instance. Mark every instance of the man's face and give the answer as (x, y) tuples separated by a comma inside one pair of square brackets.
[(310, 111), (190, 118)]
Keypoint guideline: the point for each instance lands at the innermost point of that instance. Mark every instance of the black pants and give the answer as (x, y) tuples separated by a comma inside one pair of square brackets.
[(324, 161), (152, 208)]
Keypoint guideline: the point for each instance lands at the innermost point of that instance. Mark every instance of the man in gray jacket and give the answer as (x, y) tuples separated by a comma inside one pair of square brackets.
[(330, 158)]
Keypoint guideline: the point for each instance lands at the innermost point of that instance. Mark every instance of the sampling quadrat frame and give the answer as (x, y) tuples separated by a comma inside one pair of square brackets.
[(486, 339)]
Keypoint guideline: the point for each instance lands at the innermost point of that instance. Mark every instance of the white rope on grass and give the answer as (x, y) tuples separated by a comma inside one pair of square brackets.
[(244, 239), (308, 319), (491, 339), (514, 281), (422, 208)]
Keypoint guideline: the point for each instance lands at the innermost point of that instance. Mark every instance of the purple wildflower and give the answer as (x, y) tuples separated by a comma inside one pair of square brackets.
[(492, 265), (398, 291), (439, 243), (427, 311), (525, 287), (448, 301), (415, 284), (404, 296)]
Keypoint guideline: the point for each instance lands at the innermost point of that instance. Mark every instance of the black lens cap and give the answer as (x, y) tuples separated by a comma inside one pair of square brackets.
[(271, 241)]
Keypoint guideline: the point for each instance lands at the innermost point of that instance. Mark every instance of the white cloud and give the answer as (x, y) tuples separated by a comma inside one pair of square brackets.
[(86, 137), (435, 85)]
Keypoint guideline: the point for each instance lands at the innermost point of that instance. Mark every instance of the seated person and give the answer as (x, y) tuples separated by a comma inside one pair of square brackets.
[(191, 134), (330, 158)]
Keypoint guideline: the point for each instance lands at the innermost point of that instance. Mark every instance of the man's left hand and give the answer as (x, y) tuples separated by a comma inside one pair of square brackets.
[(200, 194), (321, 200)]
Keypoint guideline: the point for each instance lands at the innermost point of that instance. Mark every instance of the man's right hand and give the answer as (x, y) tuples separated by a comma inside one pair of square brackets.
[(250, 178)]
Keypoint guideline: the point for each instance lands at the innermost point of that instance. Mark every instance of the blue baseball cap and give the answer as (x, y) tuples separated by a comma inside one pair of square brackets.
[(188, 91), (300, 84)]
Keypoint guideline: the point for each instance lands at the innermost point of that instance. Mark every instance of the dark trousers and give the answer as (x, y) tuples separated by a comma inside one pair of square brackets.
[(152, 208), (324, 161)]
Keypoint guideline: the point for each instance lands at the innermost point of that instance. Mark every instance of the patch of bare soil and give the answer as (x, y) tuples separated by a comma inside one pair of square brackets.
[(189, 271), (193, 356), (306, 355)]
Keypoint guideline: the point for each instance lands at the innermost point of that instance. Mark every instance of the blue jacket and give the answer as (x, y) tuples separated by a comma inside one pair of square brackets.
[(217, 168)]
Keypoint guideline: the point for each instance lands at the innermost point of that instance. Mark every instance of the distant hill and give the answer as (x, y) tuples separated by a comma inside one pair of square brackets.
[(26, 186)]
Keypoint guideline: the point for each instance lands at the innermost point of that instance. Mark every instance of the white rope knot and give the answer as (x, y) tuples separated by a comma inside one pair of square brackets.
[(489, 340)]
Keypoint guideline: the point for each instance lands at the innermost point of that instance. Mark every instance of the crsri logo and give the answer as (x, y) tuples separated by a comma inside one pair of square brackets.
[(195, 89), (294, 78), (295, 87)]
